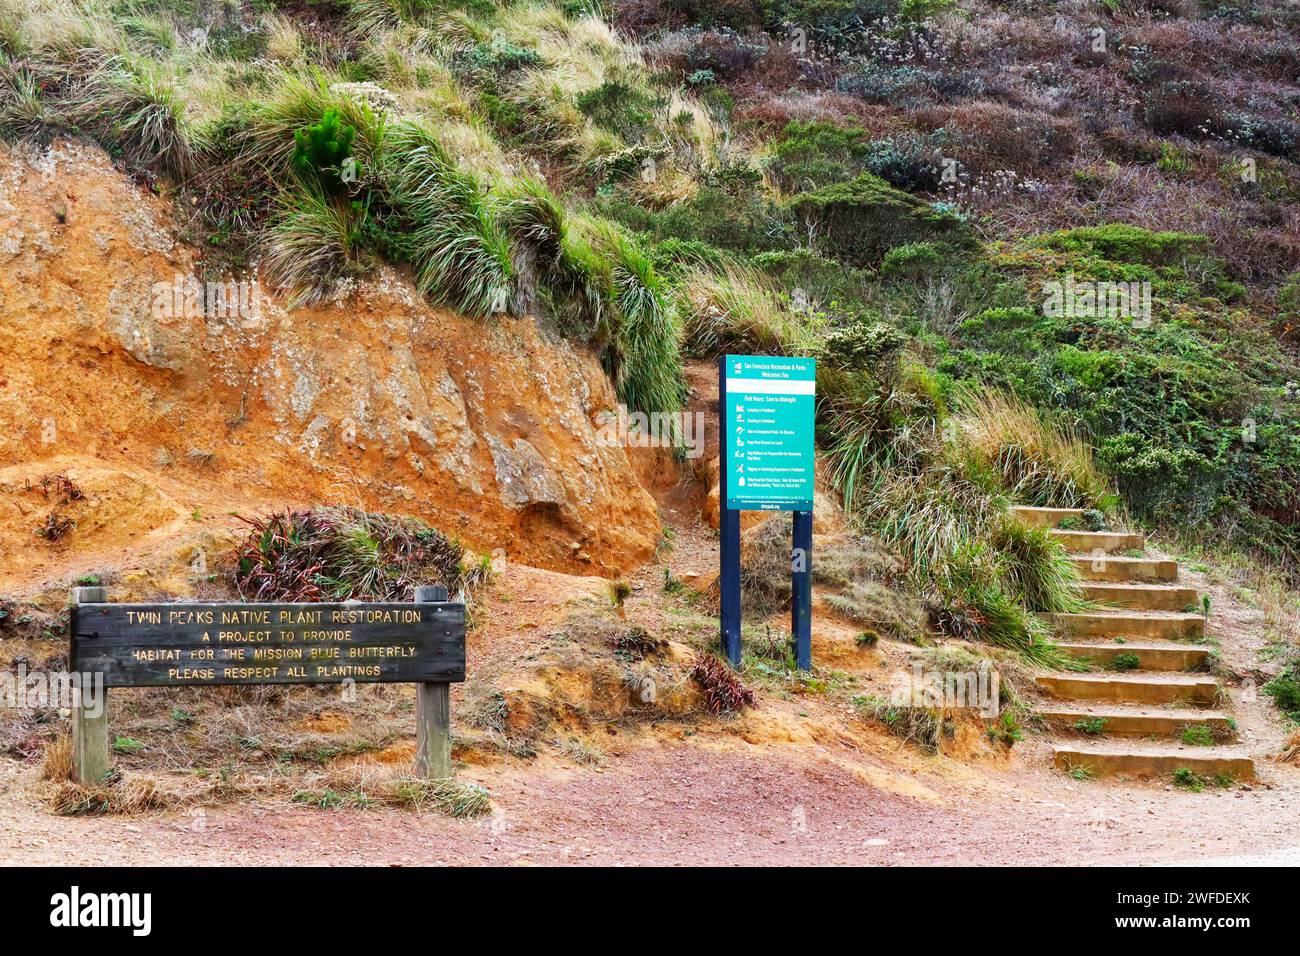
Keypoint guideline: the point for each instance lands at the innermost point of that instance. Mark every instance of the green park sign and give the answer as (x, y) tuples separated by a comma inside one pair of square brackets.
[(768, 416), (766, 406)]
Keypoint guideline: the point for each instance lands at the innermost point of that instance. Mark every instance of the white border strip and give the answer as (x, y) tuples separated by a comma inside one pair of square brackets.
[(772, 386)]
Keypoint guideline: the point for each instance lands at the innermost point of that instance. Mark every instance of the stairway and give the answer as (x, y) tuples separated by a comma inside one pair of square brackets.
[(1130, 714)]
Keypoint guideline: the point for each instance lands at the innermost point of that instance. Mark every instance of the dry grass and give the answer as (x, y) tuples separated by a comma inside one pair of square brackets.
[(58, 759), (734, 308), (1038, 462), (121, 797), (452, 797)]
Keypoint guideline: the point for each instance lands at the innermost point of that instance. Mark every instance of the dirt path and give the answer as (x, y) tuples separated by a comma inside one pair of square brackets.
[(690, 804)]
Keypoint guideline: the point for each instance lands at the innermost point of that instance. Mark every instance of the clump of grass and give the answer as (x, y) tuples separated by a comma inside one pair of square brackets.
[(133, 104), (1037, 569), (1038, 463), (970, 599), (580, 752), (1188, 779), (452, 797), (341, 554), (70, 799), (927, 727), (887, 612), (25, 114), (1080, 771), (310, 244), (636, 641), (847, 569), (296, 100), (724, 693), (446, 225), (1291, 751), (1007, 730), (733, 308), (57, 765), (1197, 735), (768, 643), (642, 356), (1090, 726), (1125, 662)]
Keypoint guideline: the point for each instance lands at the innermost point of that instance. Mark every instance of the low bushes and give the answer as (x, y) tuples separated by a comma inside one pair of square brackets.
[(346, 554), (859, 221)]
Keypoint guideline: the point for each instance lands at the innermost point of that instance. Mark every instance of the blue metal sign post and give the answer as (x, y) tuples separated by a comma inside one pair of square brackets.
[(765, 409)]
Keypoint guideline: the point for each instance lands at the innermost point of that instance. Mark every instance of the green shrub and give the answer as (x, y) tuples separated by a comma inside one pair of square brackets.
[(918, 10), (913, 260), (748, 223), (1285, 691), (1288, 300), (320, 151), (1122, 243), (1125, 662), (816, 154), (624, 110), (495, 59), (862, 219), (862, 344)]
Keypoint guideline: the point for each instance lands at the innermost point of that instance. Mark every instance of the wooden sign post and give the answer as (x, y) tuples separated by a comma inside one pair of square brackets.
[(180, 645)]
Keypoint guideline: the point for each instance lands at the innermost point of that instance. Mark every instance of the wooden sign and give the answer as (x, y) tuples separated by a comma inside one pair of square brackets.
[(168, 645), (178, 645)]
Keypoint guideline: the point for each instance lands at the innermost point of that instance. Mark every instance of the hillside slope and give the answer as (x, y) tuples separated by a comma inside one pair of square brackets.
[(170, 418)]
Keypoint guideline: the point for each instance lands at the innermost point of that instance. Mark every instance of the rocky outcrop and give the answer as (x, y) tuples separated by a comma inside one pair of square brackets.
[(114, 353)]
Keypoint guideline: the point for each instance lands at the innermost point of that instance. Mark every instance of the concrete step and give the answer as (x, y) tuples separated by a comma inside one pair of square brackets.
[(1142, 597), (1139, 721), (1090, 542), (1156, 762), (1108, 568), (1117, 569), (1133, 688), (1151, 655), (1044, 517), (1159, 625)]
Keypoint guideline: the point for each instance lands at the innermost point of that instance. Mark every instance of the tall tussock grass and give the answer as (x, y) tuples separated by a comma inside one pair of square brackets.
[(447, 226), (310, 245), (732, 307), (922, 481), (1036, 461)]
